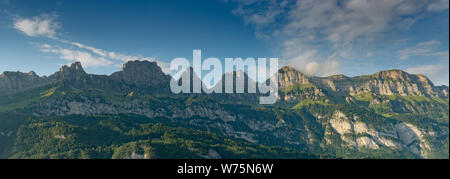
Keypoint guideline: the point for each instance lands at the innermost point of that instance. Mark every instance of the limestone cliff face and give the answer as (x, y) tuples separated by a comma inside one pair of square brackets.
[(288, 76), (391, 82), (354, 132), (295, 86), (72, 72), (386, 92), (345, 129)]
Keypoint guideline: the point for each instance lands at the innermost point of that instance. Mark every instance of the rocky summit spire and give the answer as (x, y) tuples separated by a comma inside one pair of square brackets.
[(74, 67), (73, 71), (32, 73)]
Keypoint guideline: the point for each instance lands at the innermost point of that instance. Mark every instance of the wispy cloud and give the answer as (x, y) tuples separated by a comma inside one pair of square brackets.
[(266, 13), (343, 22), (46, 26), (426, 49), (438, 5), (119, 56), (437, 72), (311, 63), (335, 26), (43, 25), (87, 59), (109, 54)]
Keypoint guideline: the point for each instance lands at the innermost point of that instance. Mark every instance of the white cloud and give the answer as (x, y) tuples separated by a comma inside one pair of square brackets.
[(338, 21), (310, 63), (109, 54), (335, 26), (438, 5), (307, 59), (86, 59), (44, 25), (265, 15), (121, 57), (95, 50), (329, 67), (344, 23), (427, 49)]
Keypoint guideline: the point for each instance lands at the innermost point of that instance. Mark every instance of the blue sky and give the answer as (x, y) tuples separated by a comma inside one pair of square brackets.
[(318, 37)]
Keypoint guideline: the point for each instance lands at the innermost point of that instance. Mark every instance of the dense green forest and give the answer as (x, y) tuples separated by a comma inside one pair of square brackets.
[(125, 136)]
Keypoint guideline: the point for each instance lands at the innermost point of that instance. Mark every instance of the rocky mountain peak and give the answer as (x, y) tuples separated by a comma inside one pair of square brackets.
[(141, 73), (74, 67), (77, 66), (393, 75), (286, 69), (74, 70), (288, 76), (402, 76), (13, 81), (32, 73), (141, 66)]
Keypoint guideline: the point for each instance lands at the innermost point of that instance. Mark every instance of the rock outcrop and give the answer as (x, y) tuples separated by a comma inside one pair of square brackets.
[(288, 76), (11, 82), (142, 74)]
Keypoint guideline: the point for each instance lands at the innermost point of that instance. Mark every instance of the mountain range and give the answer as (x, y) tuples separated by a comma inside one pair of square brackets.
[(133, 114)]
